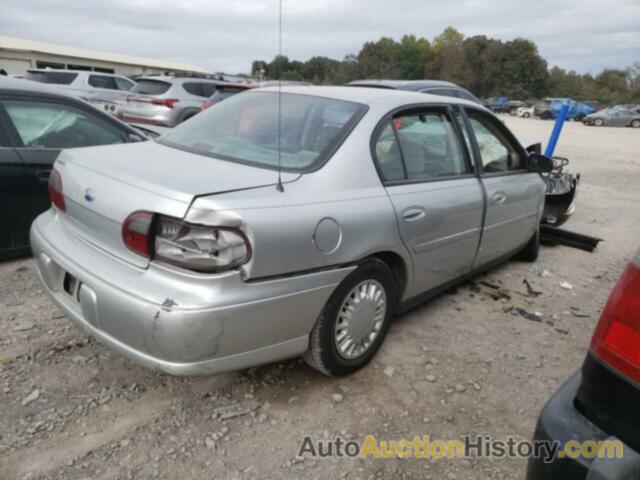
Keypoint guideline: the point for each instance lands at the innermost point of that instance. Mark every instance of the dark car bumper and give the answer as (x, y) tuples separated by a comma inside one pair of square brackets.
[(561, 422)]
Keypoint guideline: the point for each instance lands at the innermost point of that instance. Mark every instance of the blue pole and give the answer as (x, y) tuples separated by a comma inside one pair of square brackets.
[(557, 128)]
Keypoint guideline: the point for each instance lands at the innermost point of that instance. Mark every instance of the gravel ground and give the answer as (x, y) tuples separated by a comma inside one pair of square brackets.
[(465, 363)]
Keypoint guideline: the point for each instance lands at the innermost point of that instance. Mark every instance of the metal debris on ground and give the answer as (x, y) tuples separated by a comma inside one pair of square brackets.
[(534, 317), (530, 290), (557, 236)]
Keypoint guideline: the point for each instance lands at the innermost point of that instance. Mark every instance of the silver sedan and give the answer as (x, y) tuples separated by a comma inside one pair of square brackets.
[(282, 224)]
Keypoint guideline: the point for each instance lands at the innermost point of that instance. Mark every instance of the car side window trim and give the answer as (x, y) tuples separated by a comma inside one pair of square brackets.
[(515, 144), (446, 108)]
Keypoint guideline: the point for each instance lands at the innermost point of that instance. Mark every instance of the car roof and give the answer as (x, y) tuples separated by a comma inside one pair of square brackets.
[(59, 70), (413, 85), (172, 79), (29, 86), (369, 96)]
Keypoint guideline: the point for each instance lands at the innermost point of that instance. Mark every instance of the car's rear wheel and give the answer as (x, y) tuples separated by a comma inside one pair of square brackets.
[(530, 252), (598, 122), (635, 124), (354, 321), (526, 114)]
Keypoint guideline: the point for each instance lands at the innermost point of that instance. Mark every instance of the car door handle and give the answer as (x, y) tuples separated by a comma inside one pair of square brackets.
[(43, 175), (412, 214), (498, 198)]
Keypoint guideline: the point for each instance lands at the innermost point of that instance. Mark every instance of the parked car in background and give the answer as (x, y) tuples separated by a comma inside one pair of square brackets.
[(619, 116), (240, 237), (503, 105), (433, 87), (104, 90), (549, 108), (166, 100), (226, 91), (525, 111), (542, 109), (600, 401), (36, 123), (230, 89)]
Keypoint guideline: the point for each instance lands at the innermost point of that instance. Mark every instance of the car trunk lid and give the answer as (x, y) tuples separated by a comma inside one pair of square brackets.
[(103, 185)]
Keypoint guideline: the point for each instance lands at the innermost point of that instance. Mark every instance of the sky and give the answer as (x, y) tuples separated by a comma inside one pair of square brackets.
[(581, 35)]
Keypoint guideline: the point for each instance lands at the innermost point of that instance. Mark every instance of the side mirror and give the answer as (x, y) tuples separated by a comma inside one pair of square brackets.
[(540, 163), (132, 137), (534, 148)]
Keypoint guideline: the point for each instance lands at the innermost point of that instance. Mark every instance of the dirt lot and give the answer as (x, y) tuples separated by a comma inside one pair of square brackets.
[(461, 364)]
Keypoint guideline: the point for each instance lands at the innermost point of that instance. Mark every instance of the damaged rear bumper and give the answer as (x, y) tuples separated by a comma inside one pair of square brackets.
[(179, 322)]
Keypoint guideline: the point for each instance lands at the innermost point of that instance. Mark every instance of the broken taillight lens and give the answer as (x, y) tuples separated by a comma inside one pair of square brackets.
[(616, 340), (199, 247), (195, 247), (56, 194)]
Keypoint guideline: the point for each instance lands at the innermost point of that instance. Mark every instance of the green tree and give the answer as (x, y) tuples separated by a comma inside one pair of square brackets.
[(379, 59), (412, 56), (449, 62)]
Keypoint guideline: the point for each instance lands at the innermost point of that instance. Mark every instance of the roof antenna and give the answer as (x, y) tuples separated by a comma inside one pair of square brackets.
[(280, 187)]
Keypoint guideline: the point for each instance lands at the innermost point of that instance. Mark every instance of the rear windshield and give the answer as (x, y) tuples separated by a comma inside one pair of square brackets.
[(57, 78), (151, 87), (244, 129)]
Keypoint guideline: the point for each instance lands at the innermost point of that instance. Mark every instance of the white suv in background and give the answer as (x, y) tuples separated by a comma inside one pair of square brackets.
[(104, 90)]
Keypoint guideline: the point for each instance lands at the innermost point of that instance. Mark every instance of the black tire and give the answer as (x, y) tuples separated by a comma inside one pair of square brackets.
[(323, 353), (598, 122), (635, 124), (531, 251), (526, 115)]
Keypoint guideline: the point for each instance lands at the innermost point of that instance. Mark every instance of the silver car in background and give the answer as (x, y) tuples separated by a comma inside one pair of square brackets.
[(105, 91), (618, 116), (167, 101), (224, 244)]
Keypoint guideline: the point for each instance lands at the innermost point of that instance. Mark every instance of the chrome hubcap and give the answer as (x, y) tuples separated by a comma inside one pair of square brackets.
[(360, 319)]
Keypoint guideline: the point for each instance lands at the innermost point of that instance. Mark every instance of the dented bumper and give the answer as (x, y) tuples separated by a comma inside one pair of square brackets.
[(179, 322)]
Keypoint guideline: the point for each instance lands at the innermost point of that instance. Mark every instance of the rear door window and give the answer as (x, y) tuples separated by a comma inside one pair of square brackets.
[(427, 145), (150, 87), (42, 124), (103, 81)]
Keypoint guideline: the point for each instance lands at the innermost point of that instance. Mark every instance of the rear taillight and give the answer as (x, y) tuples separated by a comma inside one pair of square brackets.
[(616, 340), (207, 104), (195, 247), (56, 194), (165, 102), (136, 231)]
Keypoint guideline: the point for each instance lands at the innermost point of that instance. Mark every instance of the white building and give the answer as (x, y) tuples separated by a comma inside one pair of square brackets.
[(18, 55)]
